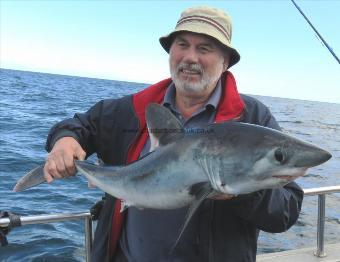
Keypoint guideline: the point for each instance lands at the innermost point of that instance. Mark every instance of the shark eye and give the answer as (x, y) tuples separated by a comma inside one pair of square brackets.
[(279, 155)]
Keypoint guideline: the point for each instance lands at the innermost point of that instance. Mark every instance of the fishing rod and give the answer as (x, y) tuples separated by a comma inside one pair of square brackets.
[(316, 31)]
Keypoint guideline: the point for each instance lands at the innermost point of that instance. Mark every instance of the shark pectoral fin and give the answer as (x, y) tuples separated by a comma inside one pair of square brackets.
[(33, 178), (201, 191), (163, 126), (100, 162)]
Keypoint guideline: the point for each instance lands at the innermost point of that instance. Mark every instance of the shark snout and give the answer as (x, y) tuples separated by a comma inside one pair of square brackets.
[(313, 158)]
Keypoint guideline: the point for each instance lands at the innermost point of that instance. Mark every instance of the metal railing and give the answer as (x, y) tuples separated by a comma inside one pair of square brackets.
[(42, 219), (320, 237)]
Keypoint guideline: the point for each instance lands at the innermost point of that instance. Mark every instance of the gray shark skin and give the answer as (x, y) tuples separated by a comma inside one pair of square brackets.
[(233, 158)]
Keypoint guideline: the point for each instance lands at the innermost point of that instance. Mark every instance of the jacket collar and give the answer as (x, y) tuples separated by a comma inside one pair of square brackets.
[(231, 106)]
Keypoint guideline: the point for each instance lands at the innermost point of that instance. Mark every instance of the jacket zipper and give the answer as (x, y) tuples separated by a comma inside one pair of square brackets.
[(211, 220), (112, 212)]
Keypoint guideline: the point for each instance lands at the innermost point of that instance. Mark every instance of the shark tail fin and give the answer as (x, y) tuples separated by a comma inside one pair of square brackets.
[(33, 178)]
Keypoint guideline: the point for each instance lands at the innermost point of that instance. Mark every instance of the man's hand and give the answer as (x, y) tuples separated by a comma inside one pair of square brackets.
[(60, 161)]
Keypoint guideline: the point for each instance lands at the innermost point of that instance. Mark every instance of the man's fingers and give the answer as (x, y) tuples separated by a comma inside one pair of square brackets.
[(59, 166), (69, 165), (80, 154), (50, 171), (47, 176), (60, 161)]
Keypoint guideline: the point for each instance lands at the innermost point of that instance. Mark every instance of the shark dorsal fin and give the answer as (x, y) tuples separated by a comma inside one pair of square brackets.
[(163, 126)]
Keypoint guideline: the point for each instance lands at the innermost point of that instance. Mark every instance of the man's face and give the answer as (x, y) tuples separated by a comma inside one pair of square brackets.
[(196, 63)]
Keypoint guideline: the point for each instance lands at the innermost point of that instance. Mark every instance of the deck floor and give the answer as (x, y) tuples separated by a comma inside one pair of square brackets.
[(303, 255)]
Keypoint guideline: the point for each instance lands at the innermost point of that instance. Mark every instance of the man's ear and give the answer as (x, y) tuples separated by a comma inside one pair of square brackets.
[(225, 66), (226, 62)]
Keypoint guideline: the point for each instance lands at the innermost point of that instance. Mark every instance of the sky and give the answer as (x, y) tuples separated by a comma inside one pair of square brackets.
[(280, 54)]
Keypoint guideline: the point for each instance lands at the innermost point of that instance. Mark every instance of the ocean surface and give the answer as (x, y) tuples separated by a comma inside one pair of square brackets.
[(30, 103)]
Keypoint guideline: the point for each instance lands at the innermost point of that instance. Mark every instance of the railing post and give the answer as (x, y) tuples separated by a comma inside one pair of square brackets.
[(88, 238), (320, 252)]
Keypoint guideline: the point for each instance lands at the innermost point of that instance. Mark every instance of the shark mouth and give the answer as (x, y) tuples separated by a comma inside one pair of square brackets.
[(295, 175), (286, 177)]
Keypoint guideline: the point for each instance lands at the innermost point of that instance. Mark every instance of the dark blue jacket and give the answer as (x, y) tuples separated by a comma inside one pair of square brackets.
[(230, 228)]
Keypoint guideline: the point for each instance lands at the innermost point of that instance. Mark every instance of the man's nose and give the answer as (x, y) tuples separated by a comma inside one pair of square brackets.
[(190, 56)]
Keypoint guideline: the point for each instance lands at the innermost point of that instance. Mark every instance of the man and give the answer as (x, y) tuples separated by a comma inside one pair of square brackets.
[(200, 90)]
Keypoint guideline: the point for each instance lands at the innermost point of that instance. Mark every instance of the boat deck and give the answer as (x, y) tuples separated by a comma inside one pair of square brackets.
[(304, 255)]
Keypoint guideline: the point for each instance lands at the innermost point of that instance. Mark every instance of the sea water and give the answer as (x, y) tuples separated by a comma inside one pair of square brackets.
[(30, 103)]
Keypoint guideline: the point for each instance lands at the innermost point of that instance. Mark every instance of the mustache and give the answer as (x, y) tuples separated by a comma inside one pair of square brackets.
[(192, 67)]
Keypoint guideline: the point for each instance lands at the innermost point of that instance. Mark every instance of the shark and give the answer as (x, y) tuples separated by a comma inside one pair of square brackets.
[(184, 167)]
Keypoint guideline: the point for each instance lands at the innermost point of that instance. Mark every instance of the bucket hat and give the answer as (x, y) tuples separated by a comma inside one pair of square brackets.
[(208, 21)]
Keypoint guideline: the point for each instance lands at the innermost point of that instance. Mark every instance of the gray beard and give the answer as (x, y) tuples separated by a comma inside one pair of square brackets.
[(190, 87), (187, 85)]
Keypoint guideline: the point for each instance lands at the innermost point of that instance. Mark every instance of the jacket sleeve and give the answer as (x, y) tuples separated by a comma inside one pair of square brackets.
[(83, 127), (272, 210)]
